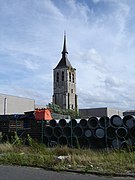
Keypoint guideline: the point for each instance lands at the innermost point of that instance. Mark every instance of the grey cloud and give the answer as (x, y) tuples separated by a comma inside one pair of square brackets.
[(112, 81)]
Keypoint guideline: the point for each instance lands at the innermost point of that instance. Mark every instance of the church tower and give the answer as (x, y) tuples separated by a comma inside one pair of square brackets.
[(64, 82)]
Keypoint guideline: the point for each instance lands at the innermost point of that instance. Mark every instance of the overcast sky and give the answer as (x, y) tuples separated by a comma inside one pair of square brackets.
[(100, 43)]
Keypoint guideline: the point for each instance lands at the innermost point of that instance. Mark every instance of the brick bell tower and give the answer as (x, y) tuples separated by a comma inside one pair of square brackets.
[(64, 82)]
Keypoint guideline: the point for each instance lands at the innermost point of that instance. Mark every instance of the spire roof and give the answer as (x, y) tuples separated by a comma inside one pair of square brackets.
[(64, 62)]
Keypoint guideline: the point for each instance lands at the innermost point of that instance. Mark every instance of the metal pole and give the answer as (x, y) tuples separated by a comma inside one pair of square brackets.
[(105, 132), (42, 126), (71, 134), (42, 132), (16, 122)]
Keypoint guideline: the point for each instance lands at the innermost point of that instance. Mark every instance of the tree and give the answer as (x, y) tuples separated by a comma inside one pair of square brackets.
[(57, 109)]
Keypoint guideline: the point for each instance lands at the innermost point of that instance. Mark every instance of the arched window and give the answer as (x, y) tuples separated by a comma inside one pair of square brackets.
[(57, 77), (70, 76), (62, 75), (72, 106), (73, 78)]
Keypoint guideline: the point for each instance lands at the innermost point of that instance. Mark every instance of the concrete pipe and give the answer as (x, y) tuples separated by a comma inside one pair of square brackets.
[(57, 131), (53, 138), (72, 123), (77, 131), (132, 132), (87, 133), (48, 131), (121, 132), (53, 141), (93, 122), (53, 123), (62, 123), (132, 143), (73, 141), (116, 121), (67, 131), (128, 121), (99, 133), (62, 140), (97, 143), (110, 132), (83, 142), (116, 143), (126, 144), (45, 140), (83, 123), (104, 122)]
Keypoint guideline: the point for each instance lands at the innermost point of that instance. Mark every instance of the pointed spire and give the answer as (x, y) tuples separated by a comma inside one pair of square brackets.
[(64, 45), (64, 62)]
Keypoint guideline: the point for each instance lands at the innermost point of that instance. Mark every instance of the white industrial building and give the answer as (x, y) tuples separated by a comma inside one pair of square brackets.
[(15, 105)]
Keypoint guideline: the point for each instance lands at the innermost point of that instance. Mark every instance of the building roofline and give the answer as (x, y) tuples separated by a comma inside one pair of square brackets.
[(16, 96)]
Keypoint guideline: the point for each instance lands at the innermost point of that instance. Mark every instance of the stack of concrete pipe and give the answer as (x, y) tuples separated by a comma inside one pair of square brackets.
[(115, 132)]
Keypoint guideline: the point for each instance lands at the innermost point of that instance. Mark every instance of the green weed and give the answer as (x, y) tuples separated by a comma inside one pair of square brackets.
[(113, 161)]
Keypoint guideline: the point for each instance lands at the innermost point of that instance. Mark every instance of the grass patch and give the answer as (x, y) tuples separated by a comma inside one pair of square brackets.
[(6, 147), (27, 160), (112, 161)]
